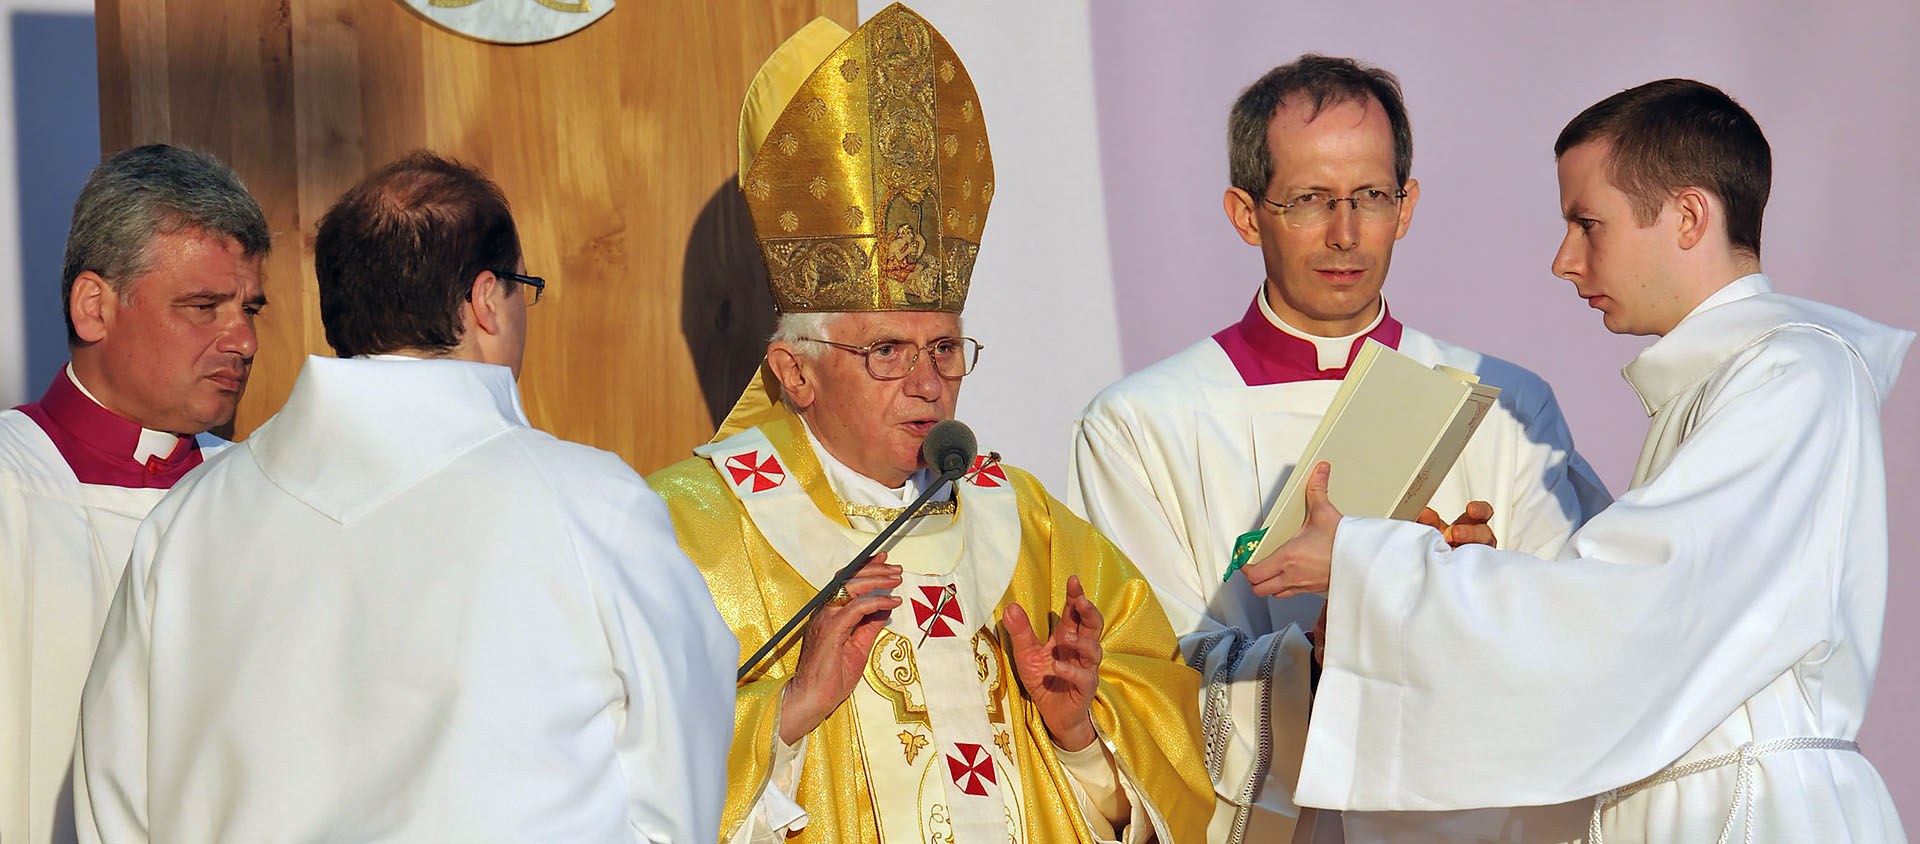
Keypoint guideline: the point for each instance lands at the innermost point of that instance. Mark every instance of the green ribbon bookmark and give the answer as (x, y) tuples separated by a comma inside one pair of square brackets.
[(1243, 551)]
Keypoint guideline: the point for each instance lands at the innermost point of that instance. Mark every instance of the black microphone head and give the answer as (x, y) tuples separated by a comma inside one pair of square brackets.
[(950, 448)]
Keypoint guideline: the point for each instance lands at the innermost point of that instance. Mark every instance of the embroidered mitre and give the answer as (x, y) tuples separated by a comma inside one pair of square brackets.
[(865, 165)]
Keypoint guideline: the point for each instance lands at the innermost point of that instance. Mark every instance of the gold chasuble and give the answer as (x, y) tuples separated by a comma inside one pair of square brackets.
[(864, 161), (937, 766)]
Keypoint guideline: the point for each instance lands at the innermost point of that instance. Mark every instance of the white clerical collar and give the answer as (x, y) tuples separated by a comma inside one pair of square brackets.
[(1333, 352), (1752, 284), (1695, 344), (389, 357), (857, 489), (151, 444)]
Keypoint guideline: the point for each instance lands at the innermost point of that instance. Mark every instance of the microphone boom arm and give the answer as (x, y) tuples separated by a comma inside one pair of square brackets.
[(846, 573)]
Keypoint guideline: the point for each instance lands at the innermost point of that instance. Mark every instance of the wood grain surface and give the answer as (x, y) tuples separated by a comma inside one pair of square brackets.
[(614, 145)]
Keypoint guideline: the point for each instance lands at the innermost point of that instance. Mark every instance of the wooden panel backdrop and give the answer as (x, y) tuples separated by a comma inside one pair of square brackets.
[(615, 146)]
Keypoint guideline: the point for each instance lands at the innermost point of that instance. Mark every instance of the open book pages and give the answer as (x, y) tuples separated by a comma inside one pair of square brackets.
[(1393, 431)]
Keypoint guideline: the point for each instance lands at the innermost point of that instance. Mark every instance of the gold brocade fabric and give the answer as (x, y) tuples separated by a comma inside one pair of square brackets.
[(1147, 698), (888, 514), (868, 182)]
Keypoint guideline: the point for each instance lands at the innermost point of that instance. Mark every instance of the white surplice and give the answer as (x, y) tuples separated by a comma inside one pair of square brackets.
[(63, 543), (398, 612), (1176, 461), (1732, 598)]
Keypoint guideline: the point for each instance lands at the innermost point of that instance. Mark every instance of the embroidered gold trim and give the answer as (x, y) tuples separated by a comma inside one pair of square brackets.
[(987, 659), (893, 675), (911, 743), (888, 514)]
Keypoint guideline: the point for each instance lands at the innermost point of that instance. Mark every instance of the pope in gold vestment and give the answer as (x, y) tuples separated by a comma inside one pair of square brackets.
[(1145, 709), (937, 715)]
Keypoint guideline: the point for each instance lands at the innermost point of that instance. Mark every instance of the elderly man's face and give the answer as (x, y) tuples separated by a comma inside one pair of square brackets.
[(174, 352), (875, 426)]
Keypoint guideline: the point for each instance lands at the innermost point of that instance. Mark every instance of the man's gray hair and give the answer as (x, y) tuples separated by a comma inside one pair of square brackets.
[(793, 328), (147, 191)]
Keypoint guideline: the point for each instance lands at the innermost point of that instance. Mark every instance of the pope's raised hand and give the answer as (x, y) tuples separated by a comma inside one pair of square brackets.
[(1304, 563), (1470, 529), (1062, 673), (834, 649)]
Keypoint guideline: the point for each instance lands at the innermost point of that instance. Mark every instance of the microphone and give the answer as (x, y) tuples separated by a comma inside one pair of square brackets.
[(949, 449)]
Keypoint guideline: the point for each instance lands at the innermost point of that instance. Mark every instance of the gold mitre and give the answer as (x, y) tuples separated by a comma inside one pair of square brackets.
[(865, 164)]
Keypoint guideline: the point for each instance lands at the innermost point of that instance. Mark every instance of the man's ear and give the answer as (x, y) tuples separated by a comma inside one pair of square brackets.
[(483, 302), (1241, 207), (93, 304), (1694, 216), (1412, 187), (791, 371)]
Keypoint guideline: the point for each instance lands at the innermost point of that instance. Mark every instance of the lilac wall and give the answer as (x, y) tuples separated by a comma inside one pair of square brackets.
[(1489, 85)]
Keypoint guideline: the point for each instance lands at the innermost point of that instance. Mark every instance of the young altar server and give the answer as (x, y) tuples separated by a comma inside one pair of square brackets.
[(1698, 660)]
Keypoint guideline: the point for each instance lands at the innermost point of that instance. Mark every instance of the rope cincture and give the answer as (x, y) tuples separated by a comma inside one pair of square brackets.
[(1746, 756)]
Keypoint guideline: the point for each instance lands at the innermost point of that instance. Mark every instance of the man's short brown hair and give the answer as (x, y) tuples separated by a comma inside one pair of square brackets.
[(1673, 134), (396, 257), (1323, 81)]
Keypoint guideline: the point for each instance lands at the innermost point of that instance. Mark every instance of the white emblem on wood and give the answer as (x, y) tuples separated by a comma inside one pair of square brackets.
[(512, 21)]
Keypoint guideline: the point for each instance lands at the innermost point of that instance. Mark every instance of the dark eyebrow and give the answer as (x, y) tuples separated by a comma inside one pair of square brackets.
[(1387, 186), (258, 301)]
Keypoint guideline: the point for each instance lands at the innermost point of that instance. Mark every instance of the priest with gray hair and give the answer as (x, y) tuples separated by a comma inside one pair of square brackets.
[(159, 293)]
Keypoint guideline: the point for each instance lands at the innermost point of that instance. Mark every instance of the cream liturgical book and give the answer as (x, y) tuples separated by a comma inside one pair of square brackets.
[(1393, 431)]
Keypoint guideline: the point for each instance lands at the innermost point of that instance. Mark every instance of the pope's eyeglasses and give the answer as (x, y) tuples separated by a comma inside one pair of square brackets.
[(887, 360)]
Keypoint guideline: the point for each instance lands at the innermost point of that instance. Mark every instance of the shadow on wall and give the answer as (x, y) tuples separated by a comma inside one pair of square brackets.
[(726, 313), (56, 95)]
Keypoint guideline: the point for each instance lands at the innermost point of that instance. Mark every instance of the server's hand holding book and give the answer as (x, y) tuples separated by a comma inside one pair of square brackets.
[(1393, 431)]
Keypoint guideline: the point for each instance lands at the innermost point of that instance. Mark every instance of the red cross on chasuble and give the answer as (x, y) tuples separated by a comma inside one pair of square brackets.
[(971, 768), (986, 472), (940, 612), (763, 474)]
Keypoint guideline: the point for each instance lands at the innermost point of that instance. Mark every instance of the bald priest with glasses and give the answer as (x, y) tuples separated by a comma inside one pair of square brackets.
[(1178, 460), (1001, 673)]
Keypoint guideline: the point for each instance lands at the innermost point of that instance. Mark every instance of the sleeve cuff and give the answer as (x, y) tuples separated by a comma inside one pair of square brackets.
[(778, 813), (1097, 787)]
